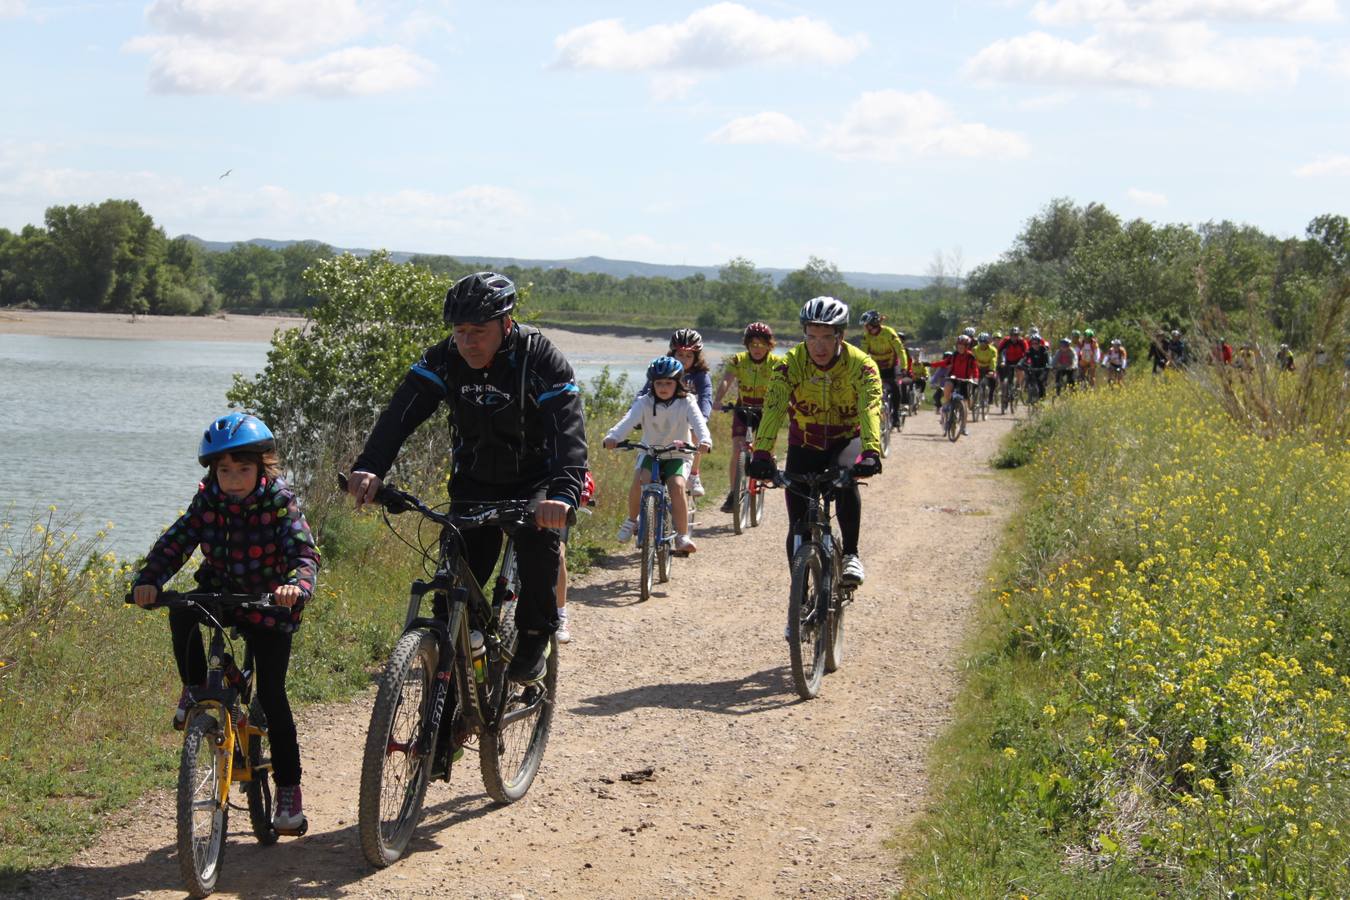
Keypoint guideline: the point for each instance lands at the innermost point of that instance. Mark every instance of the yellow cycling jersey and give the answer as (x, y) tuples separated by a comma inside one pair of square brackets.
[(986, 355), (752, 378), (885, 347), (823, 406)]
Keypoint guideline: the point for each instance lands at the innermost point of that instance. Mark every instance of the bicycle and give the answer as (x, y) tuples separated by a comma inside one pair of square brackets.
[(222, 744), (656, 529), (1008, 392), (1035, 386), (449, 672), (1115, 375), (747, 494), (984, 393), (818, 596), (954, 413)]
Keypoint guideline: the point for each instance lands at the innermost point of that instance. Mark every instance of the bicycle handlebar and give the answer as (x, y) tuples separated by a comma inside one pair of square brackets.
[(678, 446), (503, 513), (215, 601)]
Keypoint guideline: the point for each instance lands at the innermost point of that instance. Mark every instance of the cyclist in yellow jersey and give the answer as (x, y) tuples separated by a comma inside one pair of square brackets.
[(830, 394), (986, 354), (751, 371), (884, 345)]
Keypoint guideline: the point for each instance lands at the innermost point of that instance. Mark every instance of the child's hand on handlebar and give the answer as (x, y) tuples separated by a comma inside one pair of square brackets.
[(145, 595), (286, 595), (610, 443), (363, 487), (705, 447)]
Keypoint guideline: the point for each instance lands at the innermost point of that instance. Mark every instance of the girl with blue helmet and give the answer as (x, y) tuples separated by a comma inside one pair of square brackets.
[(666, 414), (254, 539)]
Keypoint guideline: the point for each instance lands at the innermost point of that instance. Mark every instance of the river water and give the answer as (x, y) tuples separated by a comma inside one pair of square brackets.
[(107, 430)]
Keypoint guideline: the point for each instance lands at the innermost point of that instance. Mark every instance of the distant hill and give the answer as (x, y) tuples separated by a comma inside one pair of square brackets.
[(619, 268)]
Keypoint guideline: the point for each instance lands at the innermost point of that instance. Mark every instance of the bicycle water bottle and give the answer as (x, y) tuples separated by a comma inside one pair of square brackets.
[(479, 653)]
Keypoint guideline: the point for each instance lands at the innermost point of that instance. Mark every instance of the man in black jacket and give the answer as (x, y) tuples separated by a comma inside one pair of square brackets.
[(516, 433)]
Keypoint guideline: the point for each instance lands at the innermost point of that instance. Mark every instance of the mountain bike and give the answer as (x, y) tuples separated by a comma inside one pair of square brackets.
[(1035, 386), (1008, 391), (656, 529), (747, 494), (224, 743), (818, 596), (984, 395), (954, 413), (445, 684)]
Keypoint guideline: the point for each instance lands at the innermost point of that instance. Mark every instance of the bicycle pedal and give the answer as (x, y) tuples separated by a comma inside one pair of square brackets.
[(293, 832), (682, 554)]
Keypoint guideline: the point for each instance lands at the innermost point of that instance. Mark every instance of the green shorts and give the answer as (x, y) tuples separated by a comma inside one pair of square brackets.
[(670, 467)]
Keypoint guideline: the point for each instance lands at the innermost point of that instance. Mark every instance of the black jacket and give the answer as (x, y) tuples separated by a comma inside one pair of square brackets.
[(518, 422)]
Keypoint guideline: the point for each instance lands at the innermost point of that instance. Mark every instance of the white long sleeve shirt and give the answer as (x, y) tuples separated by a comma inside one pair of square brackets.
[(664, 422)]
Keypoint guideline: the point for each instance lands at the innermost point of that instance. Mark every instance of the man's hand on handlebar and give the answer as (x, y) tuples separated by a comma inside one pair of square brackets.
[(551, 514), (145, 595), (363, 487)]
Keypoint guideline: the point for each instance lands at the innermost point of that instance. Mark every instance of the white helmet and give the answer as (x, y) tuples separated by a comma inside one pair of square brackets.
[(824, 311), (970, 331)]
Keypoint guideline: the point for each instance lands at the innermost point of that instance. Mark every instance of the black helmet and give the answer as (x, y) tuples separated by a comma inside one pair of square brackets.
[(871, 317), (480, 297), (686, 339)]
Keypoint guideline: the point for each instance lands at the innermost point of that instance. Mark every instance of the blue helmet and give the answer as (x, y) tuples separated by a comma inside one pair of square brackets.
[(665, 367), (234, 433)]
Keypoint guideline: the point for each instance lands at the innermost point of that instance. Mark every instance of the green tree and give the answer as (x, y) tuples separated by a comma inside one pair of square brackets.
[(295, 259), (817, 278), (101, 257), (249, 275), (743, 291)]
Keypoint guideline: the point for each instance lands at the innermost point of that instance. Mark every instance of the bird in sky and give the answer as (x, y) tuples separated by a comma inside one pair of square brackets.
[(223, 174)]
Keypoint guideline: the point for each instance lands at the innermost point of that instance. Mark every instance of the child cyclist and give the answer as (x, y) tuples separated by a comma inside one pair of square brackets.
[(686, 345), (254, 539), (751, 370), (667, 414)]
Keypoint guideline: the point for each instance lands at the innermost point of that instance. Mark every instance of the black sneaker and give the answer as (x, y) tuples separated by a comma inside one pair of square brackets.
[(531, 660), (729, 504)]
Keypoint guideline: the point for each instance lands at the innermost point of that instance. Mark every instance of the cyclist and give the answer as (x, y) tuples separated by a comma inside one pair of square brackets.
[(517, 433), (254, 539), (1221, 354), (883, 344), (1116, 359), (938, 373), (1089, 356), (1284, 359), (1177, 352), (564, 633), (686, 345), (750, 370), (1037, 364), (1011, 350), (962, 368), (1065, 363), (1157, 352), (830, 393), (986, 354), (667, 414)]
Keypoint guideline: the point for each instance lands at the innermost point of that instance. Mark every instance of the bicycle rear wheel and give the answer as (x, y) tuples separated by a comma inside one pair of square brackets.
[(258, 792), (755, 504), (647, 546), (202, 819), (510, 752), (806, 636), (394, 770), (739, 495)]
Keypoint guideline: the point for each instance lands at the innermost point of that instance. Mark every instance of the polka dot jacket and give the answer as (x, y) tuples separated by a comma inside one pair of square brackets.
[(251, 545)]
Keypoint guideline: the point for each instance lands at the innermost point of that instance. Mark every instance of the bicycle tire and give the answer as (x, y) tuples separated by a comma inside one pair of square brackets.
[(509, 753), (258, 792), (949, 426), (667, 537), (885, 438), (203, 822), (396, 723), (646, 546), (834, 649), (738, 495), (806, 642)]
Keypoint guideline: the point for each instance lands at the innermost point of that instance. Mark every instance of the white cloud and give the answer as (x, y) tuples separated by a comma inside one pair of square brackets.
[(11, 9), (1146, 198), (1148, 56), (267, 48), (722, 36), (890, 125), (761, 128), (1335, 165), (1076, 12), (668, 86)]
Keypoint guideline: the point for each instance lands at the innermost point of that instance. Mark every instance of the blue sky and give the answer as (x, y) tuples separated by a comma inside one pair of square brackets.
[(876, 135)]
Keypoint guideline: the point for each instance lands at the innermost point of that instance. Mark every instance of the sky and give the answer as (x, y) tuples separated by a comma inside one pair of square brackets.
[(880, 136)]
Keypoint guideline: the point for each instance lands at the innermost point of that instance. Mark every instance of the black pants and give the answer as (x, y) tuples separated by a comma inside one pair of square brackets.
[(847, 503), (271, 659), (536, 554)]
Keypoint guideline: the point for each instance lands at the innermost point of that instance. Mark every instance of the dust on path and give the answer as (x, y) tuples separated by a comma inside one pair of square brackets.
[(756, 794)]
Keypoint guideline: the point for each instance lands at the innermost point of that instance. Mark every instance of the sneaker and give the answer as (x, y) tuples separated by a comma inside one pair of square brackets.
[(626, 530), (729, 504), (853, 570), (963, 431), (696, 485), (289, 815), (684, 544), (531, 660), (564, 635)]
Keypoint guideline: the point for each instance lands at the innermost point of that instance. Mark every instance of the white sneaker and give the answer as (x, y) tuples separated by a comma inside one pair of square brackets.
[(853, 570), (696, 485), (563, 634), (626, 530), (684, 544)]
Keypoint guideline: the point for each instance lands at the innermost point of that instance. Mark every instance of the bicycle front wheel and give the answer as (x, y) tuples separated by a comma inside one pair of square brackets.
[(202, 818), (886, 434), (949, 426), (510, 752), (258, 792), (754, 503), (807, 636), (394, 768), (663, 546), (647, 523), (739, 495)]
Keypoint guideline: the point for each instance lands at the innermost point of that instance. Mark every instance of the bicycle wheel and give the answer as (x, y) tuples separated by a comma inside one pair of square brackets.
[(202, 818), (510, 752), (258, 792), (647, 523), (806, 636), (738, 494), (755, 503), (959, 414), (949, 426), (885, 435), (393, 772), (664, 544)]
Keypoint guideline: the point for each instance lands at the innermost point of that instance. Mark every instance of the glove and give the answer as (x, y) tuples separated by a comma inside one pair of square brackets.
[(762, 466), (868, 464)]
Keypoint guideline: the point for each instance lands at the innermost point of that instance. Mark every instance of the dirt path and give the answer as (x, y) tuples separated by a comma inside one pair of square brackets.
[(755, 793)]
